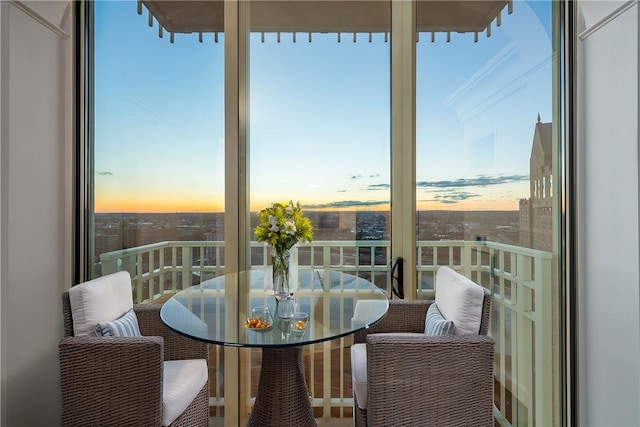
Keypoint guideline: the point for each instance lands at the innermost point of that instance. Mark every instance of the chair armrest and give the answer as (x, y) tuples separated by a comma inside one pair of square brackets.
[(430, 381), (402, 316), (176, 346), (111, 380)]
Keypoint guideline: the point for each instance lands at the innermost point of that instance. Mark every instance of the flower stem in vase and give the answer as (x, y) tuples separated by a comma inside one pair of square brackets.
[(281, 273)]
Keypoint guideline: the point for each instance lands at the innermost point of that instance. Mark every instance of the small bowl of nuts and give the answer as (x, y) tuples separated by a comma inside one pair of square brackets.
[(260, 319)]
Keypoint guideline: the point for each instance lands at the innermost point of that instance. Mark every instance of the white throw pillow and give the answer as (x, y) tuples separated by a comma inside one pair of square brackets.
[(459, 300), (99, 300)]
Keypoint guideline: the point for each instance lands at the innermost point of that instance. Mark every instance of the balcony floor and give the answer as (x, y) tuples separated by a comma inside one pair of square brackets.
[(344, 422)]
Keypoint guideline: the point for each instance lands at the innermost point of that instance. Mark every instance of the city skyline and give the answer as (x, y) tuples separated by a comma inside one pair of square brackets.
[(115, 231)]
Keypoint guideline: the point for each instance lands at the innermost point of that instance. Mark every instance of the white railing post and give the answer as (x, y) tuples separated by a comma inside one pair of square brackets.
[(161, 280), (500, 334), (523, 338), (326, 266), (187, 262), (466, 260), (129, 264), (139, 283), (293, 268), (109, 266), (151, 279), (174, 267), (543, 343)]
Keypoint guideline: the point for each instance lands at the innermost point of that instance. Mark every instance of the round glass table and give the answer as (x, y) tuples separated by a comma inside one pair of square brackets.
[(337, 304)]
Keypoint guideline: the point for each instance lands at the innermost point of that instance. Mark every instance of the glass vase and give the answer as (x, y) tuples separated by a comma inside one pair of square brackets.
[(280, 261)]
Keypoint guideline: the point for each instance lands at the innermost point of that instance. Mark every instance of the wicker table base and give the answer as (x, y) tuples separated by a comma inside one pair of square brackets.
[(282, 399)]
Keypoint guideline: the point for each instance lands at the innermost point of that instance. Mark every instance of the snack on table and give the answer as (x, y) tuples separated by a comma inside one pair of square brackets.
[(255, 323)]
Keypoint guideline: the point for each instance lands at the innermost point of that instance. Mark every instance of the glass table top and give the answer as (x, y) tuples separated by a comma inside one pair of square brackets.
[(337, 305)]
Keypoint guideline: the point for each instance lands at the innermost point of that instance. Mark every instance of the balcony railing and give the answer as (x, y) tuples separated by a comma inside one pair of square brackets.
[(520, 280)]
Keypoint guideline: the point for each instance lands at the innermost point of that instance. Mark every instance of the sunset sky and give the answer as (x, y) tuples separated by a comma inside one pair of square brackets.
[(319, 116)]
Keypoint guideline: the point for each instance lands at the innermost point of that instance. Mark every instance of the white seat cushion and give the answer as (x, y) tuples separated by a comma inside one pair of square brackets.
[(99, 300), (181, 383), (359, 373), (459, 300)]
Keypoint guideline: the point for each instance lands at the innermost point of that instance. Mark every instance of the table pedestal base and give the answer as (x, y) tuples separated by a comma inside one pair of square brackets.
[(282, 399)]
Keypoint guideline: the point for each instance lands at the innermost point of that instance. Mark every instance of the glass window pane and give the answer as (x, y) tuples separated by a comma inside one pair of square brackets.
[(158, 150), (486, 156), (158, 147), (319, 134)]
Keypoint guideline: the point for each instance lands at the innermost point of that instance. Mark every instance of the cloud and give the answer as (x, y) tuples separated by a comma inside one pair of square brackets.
[(452, 191), (478, 181), (454, 197), (448, 185), (346, 204), (374, 187), (105, 173), (377, 175), (446, 192), (450, 197)]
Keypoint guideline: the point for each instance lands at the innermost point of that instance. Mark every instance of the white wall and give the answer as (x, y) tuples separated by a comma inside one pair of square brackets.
[(35, 206), (35, 202), (609, 348)]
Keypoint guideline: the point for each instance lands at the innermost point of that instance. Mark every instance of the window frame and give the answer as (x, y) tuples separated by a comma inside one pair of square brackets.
[(403, 145)]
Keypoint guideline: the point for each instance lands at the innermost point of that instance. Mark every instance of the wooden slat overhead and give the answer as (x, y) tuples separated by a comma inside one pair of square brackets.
[(328, 16)]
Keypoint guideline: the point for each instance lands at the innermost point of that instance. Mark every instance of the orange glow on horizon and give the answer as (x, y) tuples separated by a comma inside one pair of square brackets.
[(168, 200), (116, 205), (156, 206)]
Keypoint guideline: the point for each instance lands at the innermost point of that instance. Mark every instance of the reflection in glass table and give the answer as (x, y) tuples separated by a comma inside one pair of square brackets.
[(201, 313)]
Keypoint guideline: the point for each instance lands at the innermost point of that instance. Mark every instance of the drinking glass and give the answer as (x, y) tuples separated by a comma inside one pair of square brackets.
[(299, 321), (262, 313)]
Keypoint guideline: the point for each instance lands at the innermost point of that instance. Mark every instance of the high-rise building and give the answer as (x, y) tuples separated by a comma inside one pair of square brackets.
[(535, 212)]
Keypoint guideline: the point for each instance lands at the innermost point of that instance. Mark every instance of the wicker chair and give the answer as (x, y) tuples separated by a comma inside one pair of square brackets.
[(418, 380), (118, 381)]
